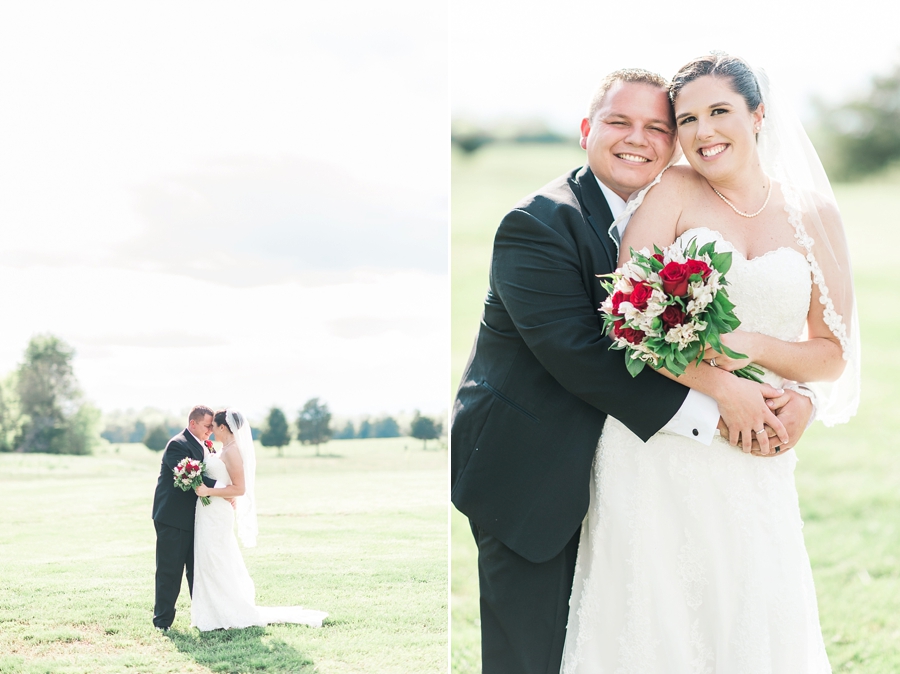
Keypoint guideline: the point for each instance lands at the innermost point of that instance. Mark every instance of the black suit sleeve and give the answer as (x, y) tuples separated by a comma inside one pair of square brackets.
[(536, 272)]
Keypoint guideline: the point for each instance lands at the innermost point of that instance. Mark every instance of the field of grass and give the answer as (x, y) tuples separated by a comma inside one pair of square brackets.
[(848, 476), (360, 532)]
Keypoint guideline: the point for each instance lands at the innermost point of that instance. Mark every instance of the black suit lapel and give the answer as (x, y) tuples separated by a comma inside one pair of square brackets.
[(195, 446), (597, 212)]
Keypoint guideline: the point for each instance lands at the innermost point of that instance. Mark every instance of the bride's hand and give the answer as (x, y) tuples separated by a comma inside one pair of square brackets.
[(743, 408), (738, 341), (203, 490)]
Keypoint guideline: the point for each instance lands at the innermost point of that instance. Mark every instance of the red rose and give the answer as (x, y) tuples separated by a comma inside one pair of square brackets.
[(675, 279), (641, 294), (697, 267), (617, 299), (672, 316), (633, 336), (628, 334), (658, 257)]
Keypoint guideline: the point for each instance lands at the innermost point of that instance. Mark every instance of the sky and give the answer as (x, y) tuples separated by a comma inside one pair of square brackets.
[(240, 204), (530, 60)]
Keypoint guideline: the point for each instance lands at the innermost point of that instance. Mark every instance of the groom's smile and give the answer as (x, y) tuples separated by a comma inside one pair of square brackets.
[(631, 137)]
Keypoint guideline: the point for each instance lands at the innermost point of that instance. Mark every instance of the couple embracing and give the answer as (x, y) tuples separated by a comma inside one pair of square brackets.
[(198, 540), (651, 524)]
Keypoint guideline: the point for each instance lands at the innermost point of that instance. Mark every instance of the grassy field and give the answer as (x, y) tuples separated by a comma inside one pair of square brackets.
[(360, 532), (848, 476)]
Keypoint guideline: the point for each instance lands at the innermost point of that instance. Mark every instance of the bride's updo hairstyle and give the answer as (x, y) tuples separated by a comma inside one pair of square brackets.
[(221, 419), (719, 64)]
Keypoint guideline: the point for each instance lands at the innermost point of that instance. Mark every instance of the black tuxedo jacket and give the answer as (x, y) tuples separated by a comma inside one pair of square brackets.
[(171, 505), (541, 378)]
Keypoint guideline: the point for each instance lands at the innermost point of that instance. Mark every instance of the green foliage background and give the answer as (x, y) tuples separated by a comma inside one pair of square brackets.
[(848, 476)]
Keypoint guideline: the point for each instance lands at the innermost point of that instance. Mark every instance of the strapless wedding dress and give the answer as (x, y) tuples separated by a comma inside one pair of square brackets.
[(224, 595), (691, 558)]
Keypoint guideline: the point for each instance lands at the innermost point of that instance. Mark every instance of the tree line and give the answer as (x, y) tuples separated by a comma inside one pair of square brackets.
[(42, 409)]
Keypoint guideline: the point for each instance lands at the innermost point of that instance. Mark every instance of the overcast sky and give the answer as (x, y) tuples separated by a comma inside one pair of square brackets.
[(536, 59), (229, 203)]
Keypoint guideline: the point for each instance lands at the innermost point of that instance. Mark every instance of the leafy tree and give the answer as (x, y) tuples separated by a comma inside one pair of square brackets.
[(313, 423), (54, 417), (862, 135), (425, 429), (276, 433), (10, 417), (365, 429), (157, 438), (386, 427), (346, 433)]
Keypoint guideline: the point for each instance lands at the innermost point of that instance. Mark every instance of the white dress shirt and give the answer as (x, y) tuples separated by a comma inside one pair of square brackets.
[(698, 416)]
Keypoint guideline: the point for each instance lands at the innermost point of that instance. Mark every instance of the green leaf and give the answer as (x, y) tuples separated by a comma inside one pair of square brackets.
[(634, 365), (721, 261)]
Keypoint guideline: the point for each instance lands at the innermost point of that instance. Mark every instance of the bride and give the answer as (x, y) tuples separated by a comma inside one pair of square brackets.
[(224, 595), (691, 558)]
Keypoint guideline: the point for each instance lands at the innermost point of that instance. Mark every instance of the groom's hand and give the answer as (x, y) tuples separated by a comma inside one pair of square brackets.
[(793, 410)]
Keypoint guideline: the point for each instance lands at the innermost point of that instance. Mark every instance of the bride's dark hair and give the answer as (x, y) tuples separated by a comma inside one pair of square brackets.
[(221, 419), (720, 64)]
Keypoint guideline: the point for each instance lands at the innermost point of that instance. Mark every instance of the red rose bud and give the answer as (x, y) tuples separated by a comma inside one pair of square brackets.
[(698, 267), (641, 295), (633, 336), (672, 317), (617, 299), (617, 327), (658, 257), (675, 279)]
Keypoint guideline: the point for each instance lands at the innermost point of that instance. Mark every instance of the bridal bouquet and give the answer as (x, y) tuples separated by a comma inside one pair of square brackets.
[(663, 309), (189, 475)]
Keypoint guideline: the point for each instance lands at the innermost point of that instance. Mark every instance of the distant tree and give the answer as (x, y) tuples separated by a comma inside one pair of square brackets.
[(157, 438), (313, 423), (139, 433), (346, 433), (365, 429), (276, 433), (386, 427), (55, 419), (862, 135), (425, 429), (10, 418)]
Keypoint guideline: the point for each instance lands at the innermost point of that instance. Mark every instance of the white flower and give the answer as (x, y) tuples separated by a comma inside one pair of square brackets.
[(634, 271), (623, 285), (682, 335)]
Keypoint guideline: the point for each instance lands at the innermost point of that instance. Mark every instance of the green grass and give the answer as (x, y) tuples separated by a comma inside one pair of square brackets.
[(848, 476), (360, 532)]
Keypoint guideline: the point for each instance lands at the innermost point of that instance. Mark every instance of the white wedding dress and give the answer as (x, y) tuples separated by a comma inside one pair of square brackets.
[(691, 558), (224, 595)]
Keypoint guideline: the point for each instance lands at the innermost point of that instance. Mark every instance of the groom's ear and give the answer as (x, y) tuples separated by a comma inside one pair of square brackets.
[(585, 131)]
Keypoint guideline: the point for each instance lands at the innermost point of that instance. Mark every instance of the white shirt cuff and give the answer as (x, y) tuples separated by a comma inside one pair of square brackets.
[(804, 390), (697, 418)]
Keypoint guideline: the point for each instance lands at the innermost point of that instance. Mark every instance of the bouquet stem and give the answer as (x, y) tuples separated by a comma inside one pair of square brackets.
[(751, 372), (204, 500)]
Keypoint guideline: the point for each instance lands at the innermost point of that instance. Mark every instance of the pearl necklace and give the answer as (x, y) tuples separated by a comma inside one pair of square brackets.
[(741, 213)]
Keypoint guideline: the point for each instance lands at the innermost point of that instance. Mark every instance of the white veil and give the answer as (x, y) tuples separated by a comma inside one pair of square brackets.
[(246, 504), (788, 156)]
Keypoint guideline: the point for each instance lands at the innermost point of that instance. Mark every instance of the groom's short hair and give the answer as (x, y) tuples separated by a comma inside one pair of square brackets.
[(632, 75), (199, 413)]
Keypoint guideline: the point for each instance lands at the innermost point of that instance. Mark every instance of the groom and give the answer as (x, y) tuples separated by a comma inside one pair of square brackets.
[(541, 380), (173, 516)]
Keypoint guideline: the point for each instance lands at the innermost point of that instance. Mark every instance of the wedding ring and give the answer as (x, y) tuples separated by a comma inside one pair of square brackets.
[(712, 361), (762, 432)]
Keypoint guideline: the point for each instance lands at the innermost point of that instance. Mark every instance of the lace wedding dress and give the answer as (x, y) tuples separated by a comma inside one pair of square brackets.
[(691, 558), (224, 595)]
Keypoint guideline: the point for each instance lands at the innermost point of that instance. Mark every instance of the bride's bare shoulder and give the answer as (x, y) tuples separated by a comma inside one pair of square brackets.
[(677, 185)]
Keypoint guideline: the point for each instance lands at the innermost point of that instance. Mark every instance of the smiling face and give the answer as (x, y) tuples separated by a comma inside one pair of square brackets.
[(201, 428), (716, 130), (631, 137)]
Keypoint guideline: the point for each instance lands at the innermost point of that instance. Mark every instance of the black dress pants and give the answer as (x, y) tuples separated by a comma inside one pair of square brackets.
[(524, 607), (174, 557)]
